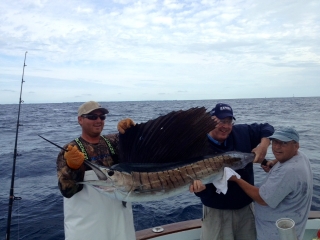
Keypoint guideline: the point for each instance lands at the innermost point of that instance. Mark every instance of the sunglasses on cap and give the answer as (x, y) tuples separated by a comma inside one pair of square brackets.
[(94, 116)]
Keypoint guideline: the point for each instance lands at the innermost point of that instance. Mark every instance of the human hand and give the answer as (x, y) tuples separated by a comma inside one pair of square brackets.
[(197, 186), (265, 168), (261, 150), (233, 178), (124, 124), (74, 157), (267, 165), (260, 153)]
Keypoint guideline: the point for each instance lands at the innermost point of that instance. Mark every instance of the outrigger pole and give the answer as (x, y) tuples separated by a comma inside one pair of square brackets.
[(12, 197)]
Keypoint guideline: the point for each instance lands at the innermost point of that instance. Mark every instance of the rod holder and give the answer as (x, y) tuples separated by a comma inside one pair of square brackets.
[(286, 229)]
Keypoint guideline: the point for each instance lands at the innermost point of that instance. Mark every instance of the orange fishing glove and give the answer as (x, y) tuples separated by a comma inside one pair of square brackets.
[(74, 157), (124, 124)]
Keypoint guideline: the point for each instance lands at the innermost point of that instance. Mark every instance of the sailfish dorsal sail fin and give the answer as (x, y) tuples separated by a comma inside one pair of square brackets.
[(174, 137)]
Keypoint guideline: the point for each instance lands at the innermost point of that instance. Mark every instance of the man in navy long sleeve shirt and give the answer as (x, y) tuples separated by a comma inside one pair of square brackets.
[(230, 216)]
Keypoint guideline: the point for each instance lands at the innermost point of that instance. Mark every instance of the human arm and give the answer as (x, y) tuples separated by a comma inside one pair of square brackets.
[(68, 177), (249, 189), (259, 140)]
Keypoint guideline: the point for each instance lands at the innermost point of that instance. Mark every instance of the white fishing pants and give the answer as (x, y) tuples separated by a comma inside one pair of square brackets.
[(91, 215)]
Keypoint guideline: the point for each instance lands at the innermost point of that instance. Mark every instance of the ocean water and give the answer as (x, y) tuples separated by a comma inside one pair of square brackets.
[(39, 215)]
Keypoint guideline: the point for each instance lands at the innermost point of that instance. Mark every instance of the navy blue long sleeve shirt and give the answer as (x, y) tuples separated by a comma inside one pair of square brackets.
[(243, 138)]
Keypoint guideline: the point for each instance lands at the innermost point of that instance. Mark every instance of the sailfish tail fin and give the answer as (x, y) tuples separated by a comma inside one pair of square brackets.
[(174, 137)]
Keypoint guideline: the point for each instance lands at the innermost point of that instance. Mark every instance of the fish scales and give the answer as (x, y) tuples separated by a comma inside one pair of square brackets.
[(203, 167), (190, 172), (219, 159), (216, 164), (184, 174), (136, 179), (178, 176), (195, 168), (216, 160), (207, 164), (145, 181), (231, 160), (169, 180), (203, 170), (224, 160), (163, 180), (173, 179), (166, 177), (154, 180), (138, 186)]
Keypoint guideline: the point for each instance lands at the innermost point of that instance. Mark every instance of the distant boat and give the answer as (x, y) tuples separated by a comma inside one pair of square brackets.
[(190, 230)]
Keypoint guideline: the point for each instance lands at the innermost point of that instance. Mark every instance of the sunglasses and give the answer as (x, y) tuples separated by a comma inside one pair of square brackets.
[(227, 122), (94, 116)]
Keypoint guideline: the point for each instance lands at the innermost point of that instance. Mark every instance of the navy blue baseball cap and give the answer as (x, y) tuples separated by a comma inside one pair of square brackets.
[(286, 134), (222, 110)]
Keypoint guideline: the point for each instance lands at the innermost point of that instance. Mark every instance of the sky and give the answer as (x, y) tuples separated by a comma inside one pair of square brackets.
[(128, 50)]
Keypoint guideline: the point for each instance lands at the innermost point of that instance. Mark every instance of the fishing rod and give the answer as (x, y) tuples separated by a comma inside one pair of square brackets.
[(12, 197)]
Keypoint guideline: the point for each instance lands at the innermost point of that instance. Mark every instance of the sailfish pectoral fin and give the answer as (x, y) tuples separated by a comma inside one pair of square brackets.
[(96, 169)]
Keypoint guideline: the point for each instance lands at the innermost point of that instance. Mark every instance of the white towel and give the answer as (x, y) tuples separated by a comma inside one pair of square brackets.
[(222, 184)]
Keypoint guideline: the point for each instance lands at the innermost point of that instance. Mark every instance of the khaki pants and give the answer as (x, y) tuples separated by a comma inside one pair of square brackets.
[(228, 224)]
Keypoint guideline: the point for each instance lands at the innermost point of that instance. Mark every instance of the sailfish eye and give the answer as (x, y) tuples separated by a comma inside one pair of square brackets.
[(110, 173)]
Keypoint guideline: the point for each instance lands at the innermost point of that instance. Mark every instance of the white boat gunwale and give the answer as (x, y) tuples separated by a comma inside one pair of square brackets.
[(188, 225)]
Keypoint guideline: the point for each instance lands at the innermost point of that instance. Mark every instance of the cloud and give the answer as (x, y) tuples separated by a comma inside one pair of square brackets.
[(149, 50), (5, 90)]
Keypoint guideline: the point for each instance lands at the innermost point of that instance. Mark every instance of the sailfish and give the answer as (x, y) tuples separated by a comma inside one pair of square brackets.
[(162, 157)]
